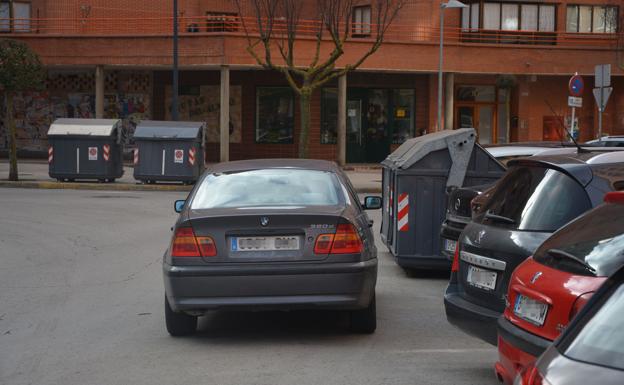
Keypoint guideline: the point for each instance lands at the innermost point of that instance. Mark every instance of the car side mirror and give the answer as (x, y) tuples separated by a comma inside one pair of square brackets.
[(179, 205), (372, 203)]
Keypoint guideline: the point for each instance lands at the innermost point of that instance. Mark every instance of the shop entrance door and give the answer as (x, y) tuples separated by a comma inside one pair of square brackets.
[(480, 117), (368, 130)]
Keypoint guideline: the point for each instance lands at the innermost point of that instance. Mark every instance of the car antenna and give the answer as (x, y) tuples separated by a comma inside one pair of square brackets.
[(560, 120)]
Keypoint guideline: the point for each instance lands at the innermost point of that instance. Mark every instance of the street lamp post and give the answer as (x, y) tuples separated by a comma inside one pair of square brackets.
[(443, 6), (174, 86)]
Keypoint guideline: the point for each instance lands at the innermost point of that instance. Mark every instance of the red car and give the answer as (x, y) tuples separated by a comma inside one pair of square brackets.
[(548, 289)]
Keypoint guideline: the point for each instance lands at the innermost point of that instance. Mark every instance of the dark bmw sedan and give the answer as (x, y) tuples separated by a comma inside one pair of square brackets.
[(271, 234), (536, 197), (591, 349)]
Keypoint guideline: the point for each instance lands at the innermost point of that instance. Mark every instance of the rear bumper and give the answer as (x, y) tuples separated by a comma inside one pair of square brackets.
[(473, 319), (521, 339), (196, 289), (517, 348)]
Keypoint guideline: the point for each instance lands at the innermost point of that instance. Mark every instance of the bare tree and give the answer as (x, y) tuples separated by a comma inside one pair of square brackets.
[(277, 24)]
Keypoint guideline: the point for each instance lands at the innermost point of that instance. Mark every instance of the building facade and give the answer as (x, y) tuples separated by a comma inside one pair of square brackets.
[(506, 69)]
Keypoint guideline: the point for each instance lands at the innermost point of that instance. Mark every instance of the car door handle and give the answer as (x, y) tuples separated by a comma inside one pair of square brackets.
[(370, 223)]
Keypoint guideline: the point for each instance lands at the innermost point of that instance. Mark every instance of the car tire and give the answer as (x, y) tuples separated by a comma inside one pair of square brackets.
[(179, 324), (365, 320)]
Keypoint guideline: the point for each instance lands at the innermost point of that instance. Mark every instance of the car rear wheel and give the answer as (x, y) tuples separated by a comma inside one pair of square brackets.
[(365, 320), (179, 324)]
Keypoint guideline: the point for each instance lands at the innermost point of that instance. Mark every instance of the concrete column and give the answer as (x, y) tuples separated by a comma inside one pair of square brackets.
[(449, 101), (342, 120), (99, 92), (224, 115)]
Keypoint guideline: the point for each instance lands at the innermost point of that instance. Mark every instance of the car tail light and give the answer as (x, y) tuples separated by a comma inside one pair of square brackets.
[(323, 244), (614, 197), (207, 246), (580, 301), (185, 244), (455, 265), (346, 240)]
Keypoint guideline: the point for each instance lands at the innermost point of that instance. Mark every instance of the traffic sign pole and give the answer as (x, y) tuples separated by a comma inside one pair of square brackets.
[(602, 82), (576, 87)]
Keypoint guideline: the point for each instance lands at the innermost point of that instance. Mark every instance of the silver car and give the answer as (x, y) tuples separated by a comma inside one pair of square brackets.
[(271, 234)]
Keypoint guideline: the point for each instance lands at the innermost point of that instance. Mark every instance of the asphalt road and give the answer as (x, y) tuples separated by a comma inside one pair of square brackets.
[(81, 302)]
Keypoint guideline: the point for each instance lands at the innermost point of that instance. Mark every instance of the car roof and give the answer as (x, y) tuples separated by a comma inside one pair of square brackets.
[(503, 151), (569, 157), (256, 164), (576, 164)]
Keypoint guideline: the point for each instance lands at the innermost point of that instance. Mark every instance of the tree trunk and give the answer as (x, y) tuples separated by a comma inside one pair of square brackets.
[(304, 100), (10, 124)]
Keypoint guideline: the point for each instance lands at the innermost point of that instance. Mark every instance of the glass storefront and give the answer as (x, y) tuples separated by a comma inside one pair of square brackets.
[(275, 115), (376, 119)]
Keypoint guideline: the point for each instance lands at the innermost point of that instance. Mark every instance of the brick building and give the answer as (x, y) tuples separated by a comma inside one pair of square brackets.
[(506, 63)]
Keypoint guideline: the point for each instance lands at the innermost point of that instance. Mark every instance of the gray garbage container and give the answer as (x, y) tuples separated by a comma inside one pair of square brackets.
[(415, 179), (168, 151), (85, 149)]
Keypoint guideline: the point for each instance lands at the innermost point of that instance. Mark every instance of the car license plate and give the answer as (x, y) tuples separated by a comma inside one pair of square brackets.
[(481, 278), (530, 309), (264, 243), (450, 245)]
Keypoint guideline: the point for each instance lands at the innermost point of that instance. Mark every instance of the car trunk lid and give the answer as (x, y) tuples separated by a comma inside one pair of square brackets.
[(557, 289)]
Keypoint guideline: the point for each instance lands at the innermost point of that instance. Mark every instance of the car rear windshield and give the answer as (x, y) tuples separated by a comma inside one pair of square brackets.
[(268, 187), (535, 198), (601, 340), (595, 240)]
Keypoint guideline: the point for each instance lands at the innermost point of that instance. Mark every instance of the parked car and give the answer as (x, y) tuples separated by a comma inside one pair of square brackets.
[(591, 349), (463, 201), (271, 234), (534, 198), (607, 141), (547, 290)]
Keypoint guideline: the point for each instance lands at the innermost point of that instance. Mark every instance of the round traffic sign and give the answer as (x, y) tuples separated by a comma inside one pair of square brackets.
[(576, 85)]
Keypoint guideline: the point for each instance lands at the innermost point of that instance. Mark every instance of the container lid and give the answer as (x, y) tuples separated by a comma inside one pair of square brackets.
[(156, 129), (423, 145), (90, 127)]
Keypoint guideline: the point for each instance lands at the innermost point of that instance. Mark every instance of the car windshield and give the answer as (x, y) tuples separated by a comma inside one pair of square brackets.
[(535, 199), (601, 340), (596, 238), (268, 187)]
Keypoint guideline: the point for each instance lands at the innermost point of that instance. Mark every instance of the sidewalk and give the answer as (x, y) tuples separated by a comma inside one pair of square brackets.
[(34, 174)]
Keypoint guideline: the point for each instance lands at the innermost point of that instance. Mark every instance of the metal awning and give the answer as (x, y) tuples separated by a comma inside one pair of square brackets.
[(154, 129), (85, 127)]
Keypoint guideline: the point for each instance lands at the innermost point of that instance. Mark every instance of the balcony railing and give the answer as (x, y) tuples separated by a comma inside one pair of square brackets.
[(233, 25)]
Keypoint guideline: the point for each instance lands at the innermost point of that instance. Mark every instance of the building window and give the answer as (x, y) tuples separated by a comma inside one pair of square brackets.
[(591, 19), (274, 115), (491, 16), (21, 17), (403, 115), (529, 16), (362, 21), (221, 22), (498, 16)]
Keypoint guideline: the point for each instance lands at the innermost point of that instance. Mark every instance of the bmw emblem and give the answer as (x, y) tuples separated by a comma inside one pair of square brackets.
[(264, 221), (536, 276)]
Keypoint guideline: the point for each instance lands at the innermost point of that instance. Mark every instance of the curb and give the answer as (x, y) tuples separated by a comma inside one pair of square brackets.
[(53, 185), (93, 186)]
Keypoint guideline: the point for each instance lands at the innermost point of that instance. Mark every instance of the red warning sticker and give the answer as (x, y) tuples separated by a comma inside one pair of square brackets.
[(178, 156), (93, 153)]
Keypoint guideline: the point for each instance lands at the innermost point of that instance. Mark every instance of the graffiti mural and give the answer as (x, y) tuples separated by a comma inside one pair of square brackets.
[(201, 104), (70, 95)]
